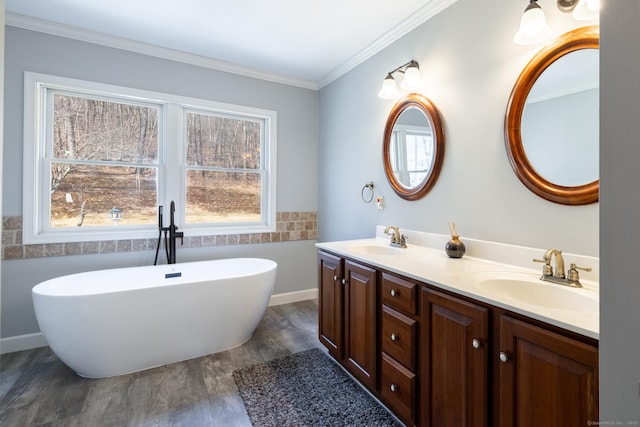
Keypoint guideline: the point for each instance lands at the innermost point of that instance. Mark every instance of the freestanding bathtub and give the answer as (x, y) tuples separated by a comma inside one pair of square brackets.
[(113, 322)]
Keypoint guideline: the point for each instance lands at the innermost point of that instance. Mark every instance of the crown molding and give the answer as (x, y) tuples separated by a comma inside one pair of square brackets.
[(427, 12), (55, 29)]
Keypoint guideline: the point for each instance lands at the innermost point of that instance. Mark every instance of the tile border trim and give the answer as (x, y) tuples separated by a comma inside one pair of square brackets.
[(290, 226)]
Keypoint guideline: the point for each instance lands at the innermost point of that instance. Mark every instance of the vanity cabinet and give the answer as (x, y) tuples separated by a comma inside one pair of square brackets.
[(543, 378), (347, 314), (439, 359), (454, 354), (539, 374)]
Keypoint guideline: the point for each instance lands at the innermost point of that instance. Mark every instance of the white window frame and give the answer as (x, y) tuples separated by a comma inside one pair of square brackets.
[(171, 162)]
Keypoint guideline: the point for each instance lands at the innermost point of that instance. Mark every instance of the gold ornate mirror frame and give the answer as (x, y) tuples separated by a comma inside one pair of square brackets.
[(431, 113), (581, 38)]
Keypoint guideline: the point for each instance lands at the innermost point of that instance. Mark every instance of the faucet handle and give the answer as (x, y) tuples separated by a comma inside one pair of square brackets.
[(547, 270), (403, 241), (179, 235), (575, 267), (572, 274)]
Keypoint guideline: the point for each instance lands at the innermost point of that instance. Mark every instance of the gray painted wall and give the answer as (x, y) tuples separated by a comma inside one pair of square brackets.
[(469, 66), (297, 149), (574, 137), (619, 211)]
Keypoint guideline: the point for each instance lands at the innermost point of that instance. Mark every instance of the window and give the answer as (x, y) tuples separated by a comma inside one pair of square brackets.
[(224, 168), (100, 159), (412, 157), (100, 154)]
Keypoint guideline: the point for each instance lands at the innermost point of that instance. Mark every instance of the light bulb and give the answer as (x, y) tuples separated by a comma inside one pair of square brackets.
[(586, 10), (412, 80), (533, 26), (389, 89)]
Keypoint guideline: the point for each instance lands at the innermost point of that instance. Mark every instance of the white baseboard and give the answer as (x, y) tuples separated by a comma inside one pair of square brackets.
[(35, 340), (293, 297), (22, 342)]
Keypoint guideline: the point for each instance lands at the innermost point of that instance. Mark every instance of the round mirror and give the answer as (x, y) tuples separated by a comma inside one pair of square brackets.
[(413, 148), (552, 121)]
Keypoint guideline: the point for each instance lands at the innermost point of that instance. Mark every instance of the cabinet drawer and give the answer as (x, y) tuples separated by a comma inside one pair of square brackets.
[(398, 388), (399, 293), (398, 337)]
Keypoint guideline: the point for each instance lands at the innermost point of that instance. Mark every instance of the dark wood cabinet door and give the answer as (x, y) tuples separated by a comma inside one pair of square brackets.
[(454, 361), (330, 303), (544, 378), (360, 322)]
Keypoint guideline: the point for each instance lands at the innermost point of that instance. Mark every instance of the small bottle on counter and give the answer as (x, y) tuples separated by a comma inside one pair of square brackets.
[(454, 247)]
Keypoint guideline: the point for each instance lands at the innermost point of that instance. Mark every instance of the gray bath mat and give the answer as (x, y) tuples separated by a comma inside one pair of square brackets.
[(306, 389)]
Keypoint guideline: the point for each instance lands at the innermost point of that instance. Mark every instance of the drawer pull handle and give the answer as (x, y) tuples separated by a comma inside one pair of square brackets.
[(504, 357), (476, 343), (344, 281), (394, 337), (394, 293), (335, 278), (394, 388)]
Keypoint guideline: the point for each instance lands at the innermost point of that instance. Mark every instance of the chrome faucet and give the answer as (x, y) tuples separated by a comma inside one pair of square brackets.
[(558, 276), (173, 235), (397, 239)]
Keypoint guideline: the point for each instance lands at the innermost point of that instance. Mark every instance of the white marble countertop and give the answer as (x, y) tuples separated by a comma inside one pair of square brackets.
[(431, 265)]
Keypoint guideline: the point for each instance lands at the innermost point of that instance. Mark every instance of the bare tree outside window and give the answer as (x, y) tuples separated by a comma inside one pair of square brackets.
[(105, 155), (224, 169)]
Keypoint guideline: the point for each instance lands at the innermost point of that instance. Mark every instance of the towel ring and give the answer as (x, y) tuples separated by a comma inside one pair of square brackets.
[(368, 185)]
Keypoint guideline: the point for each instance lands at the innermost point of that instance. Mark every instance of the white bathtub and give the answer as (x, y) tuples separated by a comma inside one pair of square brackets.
[(113, 322)]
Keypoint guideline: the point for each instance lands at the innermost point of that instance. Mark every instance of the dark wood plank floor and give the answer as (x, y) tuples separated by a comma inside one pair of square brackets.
[(37, 389)]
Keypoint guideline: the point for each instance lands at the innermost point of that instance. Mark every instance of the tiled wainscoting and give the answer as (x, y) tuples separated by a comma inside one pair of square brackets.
[(290, 226)]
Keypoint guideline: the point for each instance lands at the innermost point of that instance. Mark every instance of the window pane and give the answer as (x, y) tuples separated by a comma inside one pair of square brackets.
[(419, 156), (228, 197), (419, 151), (92, 129), (83, 195), (222, 142)]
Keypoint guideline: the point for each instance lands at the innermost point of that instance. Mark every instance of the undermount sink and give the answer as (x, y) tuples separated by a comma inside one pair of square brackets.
[(373, 249), (529, 289)]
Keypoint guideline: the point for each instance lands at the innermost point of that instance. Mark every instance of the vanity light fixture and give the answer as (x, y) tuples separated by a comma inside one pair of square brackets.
[(411, 81), (533, 24)]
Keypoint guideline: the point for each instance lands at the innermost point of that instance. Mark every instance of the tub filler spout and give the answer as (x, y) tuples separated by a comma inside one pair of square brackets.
[(171, 234)]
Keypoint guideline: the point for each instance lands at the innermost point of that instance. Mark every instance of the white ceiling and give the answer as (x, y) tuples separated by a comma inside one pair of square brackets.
[(307, 43)]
